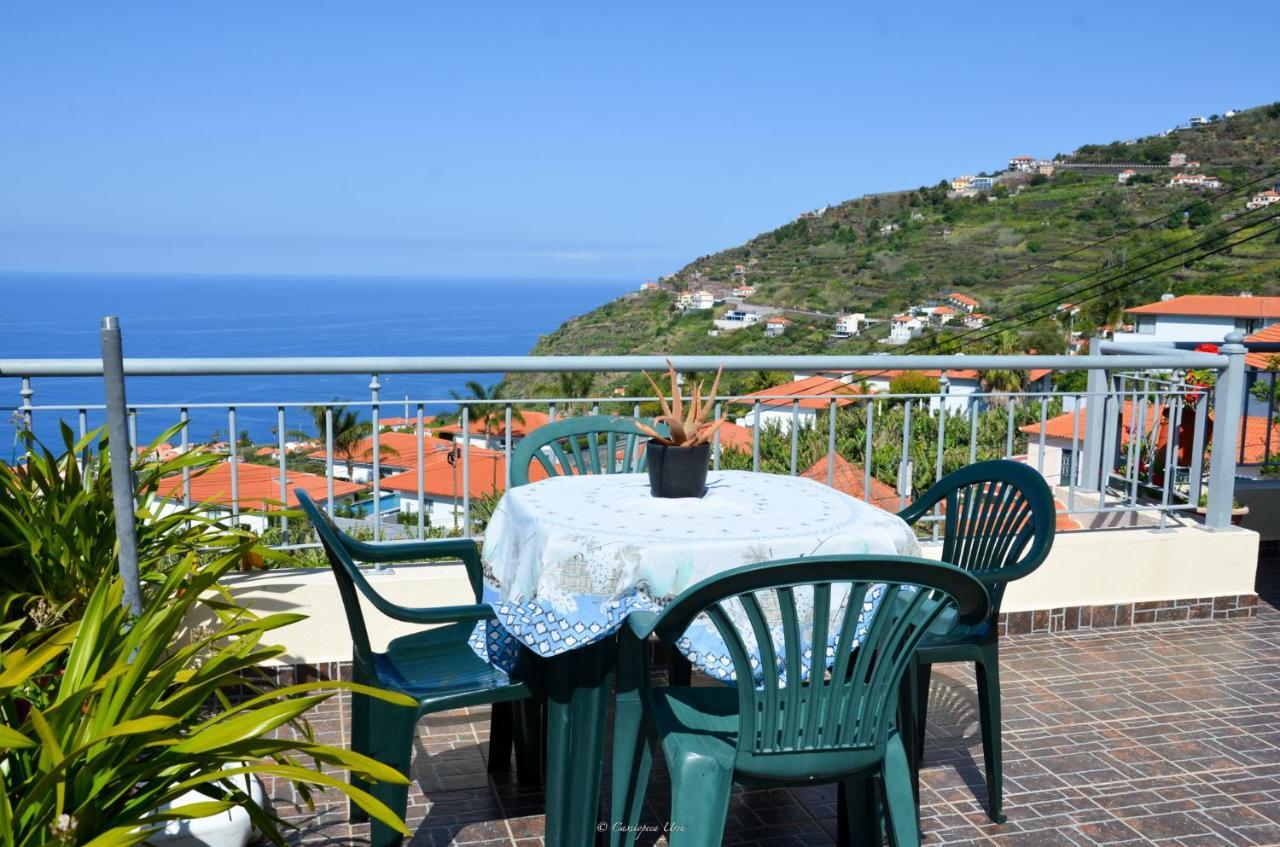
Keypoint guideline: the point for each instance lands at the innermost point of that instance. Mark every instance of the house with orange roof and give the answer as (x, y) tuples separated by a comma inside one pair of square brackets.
[(1125, 175), (1063, 451), (493, 435), (975, 320), (256, 489), (776, 326), (1022, 164), (407, 424), (961, 302), (961, 384), (802, 400), (397, 451), (903, 328), (1200, 318), (444, 481), (942, 315), (1261, 201)]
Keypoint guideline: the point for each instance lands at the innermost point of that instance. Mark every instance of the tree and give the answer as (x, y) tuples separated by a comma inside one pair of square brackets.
[(488, 413), (913, 382), (348, 431), (1199, 214)]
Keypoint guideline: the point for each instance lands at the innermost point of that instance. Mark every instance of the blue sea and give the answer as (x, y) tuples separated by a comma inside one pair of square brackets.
[(57, 315)]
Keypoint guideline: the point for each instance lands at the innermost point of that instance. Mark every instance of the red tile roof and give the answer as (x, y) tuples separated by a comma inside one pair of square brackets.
[(822, 386), (1260, 360), (851, 479), (1254, 430), (1213, 306), (519, 429), (397, 450), (1033, 375), (258, 486), (944, 310), (962, 298), (487, 472)]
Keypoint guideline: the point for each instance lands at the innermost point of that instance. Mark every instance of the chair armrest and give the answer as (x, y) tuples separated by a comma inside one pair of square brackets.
[(403, 551), (642, 623), (435, 614)]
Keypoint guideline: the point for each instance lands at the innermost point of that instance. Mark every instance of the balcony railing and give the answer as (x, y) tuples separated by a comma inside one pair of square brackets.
[(1139, 462)]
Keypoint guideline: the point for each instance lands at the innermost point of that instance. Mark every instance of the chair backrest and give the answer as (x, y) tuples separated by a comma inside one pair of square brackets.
[(793, 726), (348, 576), (999, 520), (591, 444)]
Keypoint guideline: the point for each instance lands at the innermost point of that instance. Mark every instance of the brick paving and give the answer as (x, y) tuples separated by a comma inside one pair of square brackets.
[(1163, 734)]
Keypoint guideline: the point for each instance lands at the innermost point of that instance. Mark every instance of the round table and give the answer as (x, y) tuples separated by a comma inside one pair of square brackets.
[(567, 559)]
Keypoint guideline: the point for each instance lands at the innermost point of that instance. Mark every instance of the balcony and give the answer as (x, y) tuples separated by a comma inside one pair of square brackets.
[(1140, 691)]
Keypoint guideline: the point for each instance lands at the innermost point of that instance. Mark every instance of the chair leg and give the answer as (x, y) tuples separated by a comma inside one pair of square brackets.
[(700, 789), (359, 744), (501, 737), (857, 821), (391, 733), (900, 800), (530, 740), (988, 675), (679, 669), (632, 759), (924, 673)]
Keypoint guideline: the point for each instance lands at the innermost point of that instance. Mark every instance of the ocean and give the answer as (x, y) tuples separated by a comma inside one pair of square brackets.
[(57, 315)]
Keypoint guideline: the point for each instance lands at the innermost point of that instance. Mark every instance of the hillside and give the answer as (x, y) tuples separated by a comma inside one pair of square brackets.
[(880, 254)]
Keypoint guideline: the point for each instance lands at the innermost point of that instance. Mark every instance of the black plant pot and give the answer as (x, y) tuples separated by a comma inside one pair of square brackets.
[(678, 471)]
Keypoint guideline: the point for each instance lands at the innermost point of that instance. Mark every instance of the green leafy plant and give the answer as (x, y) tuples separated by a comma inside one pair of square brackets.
[(687, 430), (105, 719), (57, 524)]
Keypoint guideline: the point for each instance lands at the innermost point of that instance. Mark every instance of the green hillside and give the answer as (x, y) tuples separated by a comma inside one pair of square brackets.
[(998, 247)]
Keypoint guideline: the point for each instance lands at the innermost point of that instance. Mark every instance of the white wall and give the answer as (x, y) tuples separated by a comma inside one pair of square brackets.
[(780, 418), (1183, 328)]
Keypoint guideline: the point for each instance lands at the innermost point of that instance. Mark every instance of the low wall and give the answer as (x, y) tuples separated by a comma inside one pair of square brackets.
[(1090, 580)]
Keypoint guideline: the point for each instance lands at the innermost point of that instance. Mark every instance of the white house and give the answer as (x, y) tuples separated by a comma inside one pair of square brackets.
[(1022, 164), (1194, 181), (903, 328), (648, 286), (1198, 121), (963, 302), (1125, 175), (1200, 318), (736, 320), (744, 291), (1262, 200), (801, 400), (960, 183), (975, 320), (695, 301), (848, 325), (943, 315), (1177, 160), (776, 326), (961, 384)]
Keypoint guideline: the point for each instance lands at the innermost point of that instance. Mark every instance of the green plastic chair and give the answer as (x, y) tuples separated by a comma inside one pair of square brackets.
[(436, 667), (837, 729), (998, 524), (574, 446)]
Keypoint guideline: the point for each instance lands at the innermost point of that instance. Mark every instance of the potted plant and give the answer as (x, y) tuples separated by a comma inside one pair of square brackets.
[(1238, 511), (678, 462)]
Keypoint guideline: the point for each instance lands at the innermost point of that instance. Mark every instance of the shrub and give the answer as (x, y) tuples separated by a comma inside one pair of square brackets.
[(913, 382)]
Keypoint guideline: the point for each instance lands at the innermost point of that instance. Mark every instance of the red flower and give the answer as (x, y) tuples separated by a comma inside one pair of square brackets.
[(1207, 348)]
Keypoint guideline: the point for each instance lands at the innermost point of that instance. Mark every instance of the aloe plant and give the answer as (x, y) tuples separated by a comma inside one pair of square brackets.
[(688, 429), (105, 719)]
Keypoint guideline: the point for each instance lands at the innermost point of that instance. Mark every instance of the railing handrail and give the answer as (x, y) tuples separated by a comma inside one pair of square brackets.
[(320, 365)]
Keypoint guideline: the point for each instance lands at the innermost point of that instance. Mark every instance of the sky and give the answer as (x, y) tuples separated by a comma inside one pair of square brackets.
[(558, 140)]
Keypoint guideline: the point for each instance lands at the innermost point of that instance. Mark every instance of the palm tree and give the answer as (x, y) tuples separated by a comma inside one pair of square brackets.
[(574, 386), (1002, 380), (349, 430), (488, 413)]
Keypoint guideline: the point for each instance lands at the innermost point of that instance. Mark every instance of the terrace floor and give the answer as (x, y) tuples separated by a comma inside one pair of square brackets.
[(1165, 734)]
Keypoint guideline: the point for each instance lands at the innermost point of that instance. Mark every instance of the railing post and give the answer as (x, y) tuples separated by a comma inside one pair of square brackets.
[(26, 393), (121, 461), (1228, 405), (1092, 479)]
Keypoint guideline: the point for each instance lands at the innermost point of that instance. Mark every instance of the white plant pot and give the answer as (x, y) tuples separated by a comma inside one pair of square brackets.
[(232, 828)]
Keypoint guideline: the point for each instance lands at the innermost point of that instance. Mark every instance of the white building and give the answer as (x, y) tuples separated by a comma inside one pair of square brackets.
[(800, 401), (1177, 160), (903, 328), (1194, 181), (1262, 200), (695, 301), (1022, 164), (961, 384), (1125, 175), (648, 286), (775, 326), (1200, 318), (744, 291), (942, 315), (1198, 121), (975, 320), (736, 320), (848, 325), (963, 302)]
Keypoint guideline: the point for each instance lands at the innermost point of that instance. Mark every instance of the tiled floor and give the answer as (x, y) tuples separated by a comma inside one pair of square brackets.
[(1165, 734)]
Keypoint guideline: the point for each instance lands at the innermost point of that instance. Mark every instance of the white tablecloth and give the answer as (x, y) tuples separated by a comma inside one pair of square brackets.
[(567, 558)]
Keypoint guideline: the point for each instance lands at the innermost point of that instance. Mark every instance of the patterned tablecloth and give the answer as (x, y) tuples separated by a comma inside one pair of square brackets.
[(568, 558)]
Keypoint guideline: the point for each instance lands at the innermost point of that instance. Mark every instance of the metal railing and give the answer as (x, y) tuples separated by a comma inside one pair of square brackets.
[(1131, 459)]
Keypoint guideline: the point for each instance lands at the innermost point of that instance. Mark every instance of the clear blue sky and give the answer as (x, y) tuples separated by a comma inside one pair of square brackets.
[(550, 139)]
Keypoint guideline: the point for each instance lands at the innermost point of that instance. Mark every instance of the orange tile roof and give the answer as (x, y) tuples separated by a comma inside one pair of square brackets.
[(1213, 306), (1033, 375), (944, 310), (519, 429), (851, 479), (962, 298), (397, 450), (822, 386), (258, 486), (735, 437), (1260, 360), (427, 420), (1254, 430), (487, 472)]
